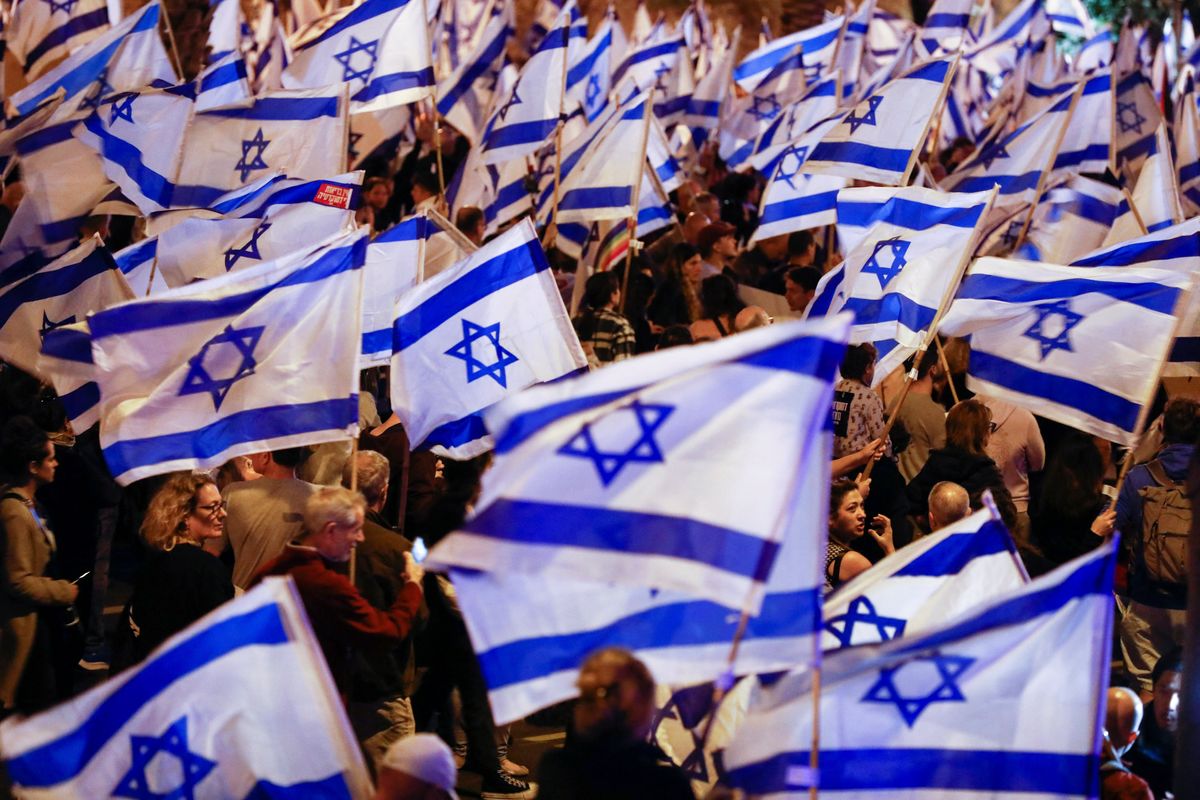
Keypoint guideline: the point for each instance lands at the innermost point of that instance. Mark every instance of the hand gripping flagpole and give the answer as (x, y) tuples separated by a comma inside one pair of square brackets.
[(931, 336), (635, 201), (1044, 178), (551, 234)]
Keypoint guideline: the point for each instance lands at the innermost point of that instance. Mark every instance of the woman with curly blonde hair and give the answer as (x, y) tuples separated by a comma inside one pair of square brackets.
[(180, 582)]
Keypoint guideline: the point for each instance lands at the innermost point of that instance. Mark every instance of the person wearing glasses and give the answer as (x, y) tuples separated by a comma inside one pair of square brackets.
[(180, 582)]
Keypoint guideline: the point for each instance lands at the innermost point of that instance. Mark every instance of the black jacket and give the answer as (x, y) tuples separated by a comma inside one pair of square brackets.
[(976, 474)]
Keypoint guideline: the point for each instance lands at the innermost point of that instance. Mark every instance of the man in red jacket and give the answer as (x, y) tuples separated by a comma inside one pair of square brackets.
[(341, 618)]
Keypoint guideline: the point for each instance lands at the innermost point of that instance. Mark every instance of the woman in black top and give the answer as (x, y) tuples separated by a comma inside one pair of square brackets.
[(180, 582), (1070, 517)]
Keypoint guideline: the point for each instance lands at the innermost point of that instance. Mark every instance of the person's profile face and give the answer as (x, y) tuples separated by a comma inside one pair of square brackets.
[(1166, 700)]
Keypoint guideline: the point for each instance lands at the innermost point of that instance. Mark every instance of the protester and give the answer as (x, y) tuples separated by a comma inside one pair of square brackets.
[(1072, 515), (35, 603), (948, 503), (676, 302), (723, 312), (377, 192), (847, 523), (473, 224), (605, 335), (180, 582), (1017, 447), (419, 767), (1153, 754), (1122, 720), (718, 249), (858, 411), (606, 756), (800, 286), (923, 419)]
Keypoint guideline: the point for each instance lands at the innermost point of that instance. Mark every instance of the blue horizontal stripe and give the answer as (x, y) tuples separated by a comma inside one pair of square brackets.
[(965, 770), (395, 82), (68, 345), (934, 72), (62, 34), (1142, 252), (80, 400), (363, 13), (1139, 148), (332, 788), (645, 54), (1091, 208), (1150, 296), (799, 207), (62, 759), (523, 261), (1189, 172), (128, 158), (911, 214), (704, 108), (581, 70), (519, 133), (46, 137), (251, 425), (456, 433), (957, 551), (230, 73), (596, 197), (1095, 153), (379, 341), (892, 307), (478, 69), (627, 532), (1009, 184), (779, 50), (286, 109), (152, 314), (1070, 392), (946, 20), (682, 624), (54, 283), (893, 160), (409, 230)]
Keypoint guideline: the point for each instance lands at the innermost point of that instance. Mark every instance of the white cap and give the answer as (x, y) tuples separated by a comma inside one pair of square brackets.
[(426, 757)]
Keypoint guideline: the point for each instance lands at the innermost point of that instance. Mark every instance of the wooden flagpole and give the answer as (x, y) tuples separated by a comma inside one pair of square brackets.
[(1044, 178), (938, 108), (437, 127), (166, 19), (636, 200), (551, 234), (1137, 215)]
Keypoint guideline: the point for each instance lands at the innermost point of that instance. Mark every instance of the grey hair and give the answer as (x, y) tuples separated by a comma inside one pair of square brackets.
[(374, 471), (332, 504)]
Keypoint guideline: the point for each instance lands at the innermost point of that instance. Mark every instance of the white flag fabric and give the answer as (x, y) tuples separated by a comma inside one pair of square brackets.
[(1071, 220), (467, 337), (1155, 195), (902, 272), (395, 263), (946, 24), (819, 44), (256, 360), (600, 185), (957, 712), (463, 97), (1054, 339), (1187, 146), (818, 105), (39, 33), (919, 587), (747, 119), (794, 201), (202, 717), (1137, 119), (379, 50), (67, 359), (586, 481), (223, 83), (60, 293)]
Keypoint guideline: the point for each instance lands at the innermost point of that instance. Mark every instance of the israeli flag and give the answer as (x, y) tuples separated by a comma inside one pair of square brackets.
[(1155, 195), (819, 44), (1096, 52), (137, 136), (589, 80), (601, 187), (709, 95), (1086, 146), (798, 122), (1070, 221), (127, 57), (531, 631), (578, 150), (948, 712), (880, 138), (223, 83), (1044, 337), (794, 201), (1015, 162), (40, 32), (256, 360), (748, 118), (1070, 18), (1187, 146), (395, 263), (137, 263), (379, 50), (304, 132), (946, 24), (471, 335), (999, 50), (902, 272), (625, 440), (650, 63), (202, 716), (66, 358), (463, 97), (919, 587), (225, 29), (60, 293), (1137, 119)]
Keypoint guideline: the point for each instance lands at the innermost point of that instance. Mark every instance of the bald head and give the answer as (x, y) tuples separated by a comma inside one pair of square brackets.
[(1123, 718), (948, 503)]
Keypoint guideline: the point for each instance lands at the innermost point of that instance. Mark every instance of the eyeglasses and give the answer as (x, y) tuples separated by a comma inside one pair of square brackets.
[(212, 508)]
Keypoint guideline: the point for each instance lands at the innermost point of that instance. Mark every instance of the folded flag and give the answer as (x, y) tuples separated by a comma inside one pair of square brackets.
[(379, 50), (1187, 146), (62, 292), (465, 338), (905, 268), (948, 711), (66, 358), (38, 34), (1054, 339), (202, 717), (748, 118), (395, 263), (625, 440), (918, 588), (259, 359), (1155, 196), (1071, 220)]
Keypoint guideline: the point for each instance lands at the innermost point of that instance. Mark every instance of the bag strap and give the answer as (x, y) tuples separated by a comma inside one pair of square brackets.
[(1159, 473)]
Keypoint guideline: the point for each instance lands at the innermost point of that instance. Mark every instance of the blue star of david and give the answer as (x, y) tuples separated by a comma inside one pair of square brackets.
[(790, 163), (199, 377), (1049, 342), (592, 92), (476, 369), (862, 610), (948, 668), (66, 6), (352, 149), (512, 101), (122, 108), (49, 324), (193, 768), (649, 418), (812, 73), (993, 154), (247, 165), (1009, 237), (855, 122), (894, 252), (344, 58), (690, 706), (765, 108), (1129, 118), (248, 250), (659, 72), (102, 90)]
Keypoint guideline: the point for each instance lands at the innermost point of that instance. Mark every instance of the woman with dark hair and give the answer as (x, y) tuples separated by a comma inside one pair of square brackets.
[(848, 522), (180, 582), (724, 312), (677, 300), (27, 675), (964, 460), (1070, 517), (606, 336)]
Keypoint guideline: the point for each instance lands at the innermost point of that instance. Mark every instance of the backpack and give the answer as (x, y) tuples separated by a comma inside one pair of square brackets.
[(1166, 522)]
